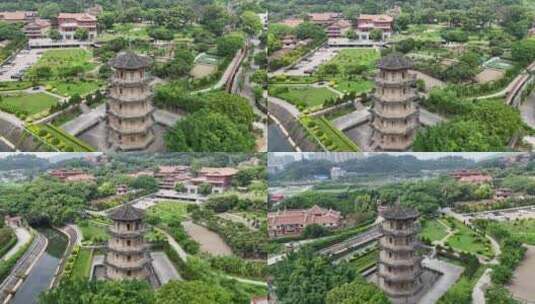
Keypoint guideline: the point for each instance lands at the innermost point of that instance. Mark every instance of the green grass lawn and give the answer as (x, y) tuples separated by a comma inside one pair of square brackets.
[(467, 240), (29, 103), (303, 96), (523, 230), (361, 56), (62, 60), (433, 230), (69, 88), (346, 85), (14, 85), (93, 232), (167, 211), (82, 266)]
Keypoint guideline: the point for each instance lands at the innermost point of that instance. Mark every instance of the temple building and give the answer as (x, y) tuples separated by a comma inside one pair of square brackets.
[(127, 255), (395, 114), (130, 120), (400, 266), (293, 222)]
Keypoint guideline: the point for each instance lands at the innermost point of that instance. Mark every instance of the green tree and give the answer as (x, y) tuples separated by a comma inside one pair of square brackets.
[(250, 22), (376, 34), (49, 10), (205, 189), (81, 34), (192, 292), (229, 44), (314, 231), (356, 292), (209, 131), (54, 34)]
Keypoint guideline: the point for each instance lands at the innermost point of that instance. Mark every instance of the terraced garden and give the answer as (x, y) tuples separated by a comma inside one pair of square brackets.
[(332, 138), (57, 139)]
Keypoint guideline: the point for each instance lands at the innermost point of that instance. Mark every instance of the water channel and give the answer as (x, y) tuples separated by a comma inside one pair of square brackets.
[(276, 140), (43, 271)]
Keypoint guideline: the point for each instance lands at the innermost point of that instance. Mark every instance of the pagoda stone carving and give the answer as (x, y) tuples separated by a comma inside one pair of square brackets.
[(127, 254), (395, 114), (130, 121), (400, 266)]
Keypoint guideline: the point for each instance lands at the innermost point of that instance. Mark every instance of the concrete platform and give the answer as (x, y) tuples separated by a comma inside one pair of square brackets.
[(164, 269)]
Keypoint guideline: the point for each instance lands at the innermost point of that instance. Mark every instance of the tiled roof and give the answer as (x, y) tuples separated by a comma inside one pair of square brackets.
[(314, 215), (127, 213), (226, 171), (398, 212), (394, 61), (130, 61), (77, 16)]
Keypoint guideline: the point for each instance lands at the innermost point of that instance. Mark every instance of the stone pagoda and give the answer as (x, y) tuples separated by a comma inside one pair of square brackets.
[(400, 266), (130, 121), (127, 255), (395, 115)]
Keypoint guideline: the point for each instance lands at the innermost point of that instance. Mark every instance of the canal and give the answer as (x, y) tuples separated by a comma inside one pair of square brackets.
[(43, 271), (277, 142)]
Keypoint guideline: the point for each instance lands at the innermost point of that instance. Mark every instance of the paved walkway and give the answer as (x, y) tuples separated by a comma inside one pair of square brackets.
[(450, 275), (23, 237), (181, 253), (164, 269), (166, 118), (23, 267), (352, 119), (283, 103), (444, 239), (85, 121), (527, 110), (430, 119), (478, 293)]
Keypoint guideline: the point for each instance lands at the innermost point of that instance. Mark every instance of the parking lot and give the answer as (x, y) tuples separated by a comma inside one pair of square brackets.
[(309, 64), (24, 60), (507, 215)]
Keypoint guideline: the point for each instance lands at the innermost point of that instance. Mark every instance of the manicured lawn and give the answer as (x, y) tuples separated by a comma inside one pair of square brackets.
[(82, 267), (346, 85), (93, 232), (433, 230), (61, 61), (69, 88), (332, 138), (303, 96), (361, 56), (467, 240), (168, 211), (523, 230), (28, 103)]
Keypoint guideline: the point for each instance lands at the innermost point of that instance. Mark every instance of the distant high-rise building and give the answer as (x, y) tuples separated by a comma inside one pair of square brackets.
[(395, 114)]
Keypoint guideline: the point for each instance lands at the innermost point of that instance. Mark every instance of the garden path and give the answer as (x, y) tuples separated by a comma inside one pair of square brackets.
[(448, 230), (478, 293), (23, 237), (290, 108)]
